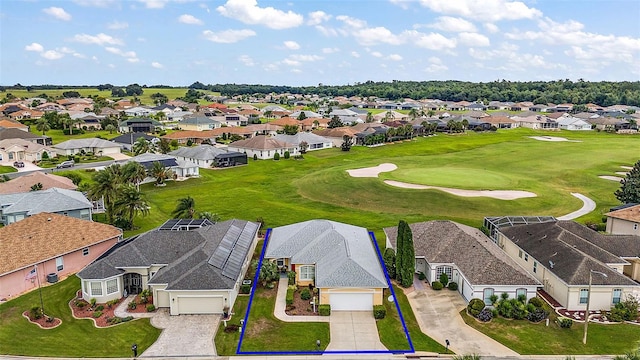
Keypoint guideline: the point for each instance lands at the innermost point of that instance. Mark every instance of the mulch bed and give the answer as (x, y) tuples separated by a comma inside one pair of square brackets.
[(42, 322), (140, 307), (86, 312), (301, 307)]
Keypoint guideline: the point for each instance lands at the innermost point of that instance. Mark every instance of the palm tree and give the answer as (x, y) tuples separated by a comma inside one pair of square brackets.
[(134, 172), (43, 125), (185, 208), (214, 218), (159, 172), (413, 113), (142, 146), (369, 118), (110, 128), (106, 185), (465, 125), (130, 202)]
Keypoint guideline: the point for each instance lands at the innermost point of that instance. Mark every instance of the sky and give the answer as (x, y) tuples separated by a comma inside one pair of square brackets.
[(307, 42)]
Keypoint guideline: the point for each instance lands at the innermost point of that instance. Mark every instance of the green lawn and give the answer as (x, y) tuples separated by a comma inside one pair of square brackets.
[(57, 136), (527, 338), (7, 169), (266, 333), (454, 176), (74, 337)]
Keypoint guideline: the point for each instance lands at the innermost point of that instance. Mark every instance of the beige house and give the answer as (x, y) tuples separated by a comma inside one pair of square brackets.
[(562, 254), (263, 147), (338, 259), (624, 221), (23, 183), (22, 150)]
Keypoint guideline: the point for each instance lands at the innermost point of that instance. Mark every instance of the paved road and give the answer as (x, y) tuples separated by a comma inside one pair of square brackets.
[(54, 170)]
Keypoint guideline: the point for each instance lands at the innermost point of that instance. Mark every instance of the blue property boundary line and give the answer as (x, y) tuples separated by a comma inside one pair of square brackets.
[(255, 282)]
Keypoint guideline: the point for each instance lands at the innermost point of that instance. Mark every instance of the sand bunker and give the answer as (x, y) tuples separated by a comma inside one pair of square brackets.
[(624, 173), (612, 178), (551, 138), (372, 171), (496, 194), (626, 167)]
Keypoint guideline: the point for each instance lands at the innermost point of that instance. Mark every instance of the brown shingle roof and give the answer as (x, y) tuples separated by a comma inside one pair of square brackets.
[(36, 238), (7, 123), (24, 183), (261, 142), (630, 214)]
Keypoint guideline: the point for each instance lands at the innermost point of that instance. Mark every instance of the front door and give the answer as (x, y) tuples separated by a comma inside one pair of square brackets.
[(132, 283)]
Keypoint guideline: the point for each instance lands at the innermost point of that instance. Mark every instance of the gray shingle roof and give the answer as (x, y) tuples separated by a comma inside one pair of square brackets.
[(200, 152), (199, 120), (86, 143), (186, 254), (344, 254), (572, 255), (309, 138), (52, 200), (479, 259)]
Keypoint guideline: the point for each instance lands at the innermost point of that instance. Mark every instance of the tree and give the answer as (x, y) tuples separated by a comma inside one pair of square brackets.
[(214, 218), (335, 122), (164, 146), (159, 98), (400, 249), (405, 255), (268, 272), (629, 191), (389, 258), (105, 187), (369, 118), (159, 172), (303, 147), (142, 146), (110, 128), (36, 187), (290, 129), (134, 173), (118, 92), (130, 202), (185, 209), (413, 113), (347, 142), (42, 124), (302, 116), (134, 90)]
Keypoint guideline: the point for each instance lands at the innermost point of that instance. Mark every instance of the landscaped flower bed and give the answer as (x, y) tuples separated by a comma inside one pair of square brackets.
[(103, 315), (36, 316), (301, 304)]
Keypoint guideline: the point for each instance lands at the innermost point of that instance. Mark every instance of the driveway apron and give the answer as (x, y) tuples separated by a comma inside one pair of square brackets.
[(353, 330)]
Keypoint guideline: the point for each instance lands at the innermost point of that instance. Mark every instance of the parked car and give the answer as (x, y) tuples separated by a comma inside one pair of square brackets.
[(18, 164), (65, 164)]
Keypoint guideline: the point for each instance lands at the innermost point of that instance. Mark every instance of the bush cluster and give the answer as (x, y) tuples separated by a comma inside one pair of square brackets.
[(475, 307), (97, 314), (324, 310), (453, 286), (245, 289), (437, 285), (625, 311), (421, 276), (565, 323), (537, 315), (110, 303), (305, 294), (289, 297), (485, 315), (379, 312), (99, 307), (151, 308), (116, 320), (291, 277), (132, 305), (536, 301), (35, 312)]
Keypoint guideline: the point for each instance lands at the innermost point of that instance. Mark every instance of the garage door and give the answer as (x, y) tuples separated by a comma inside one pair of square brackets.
[(351, 301), (199, 305)]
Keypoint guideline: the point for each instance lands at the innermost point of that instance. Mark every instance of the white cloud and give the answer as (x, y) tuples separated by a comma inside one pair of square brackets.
[(431, 41), (34, 47), (394, 57), (189, 19), (246, 60), (52, 55), (376, 54), (154, 4), (435, 65), (488, 10), (97, 3), (249, 12), (326, 31), (453, 24), (57, 13), (291, 62), (99, 39), (157, 65), (133, 60), (473, 39), (228, 36), (270, 67), (317, 17), (116, 25), (300, 57), (403, 4), (492, 28), (130, 55), (291, 45), (330, 50), (511, 59), (355, 54), (66, 50)]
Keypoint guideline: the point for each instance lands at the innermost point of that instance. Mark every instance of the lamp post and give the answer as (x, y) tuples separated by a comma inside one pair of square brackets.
[(586, 317)]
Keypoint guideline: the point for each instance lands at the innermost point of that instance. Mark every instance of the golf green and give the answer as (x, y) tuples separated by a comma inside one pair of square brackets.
[(455, 177)]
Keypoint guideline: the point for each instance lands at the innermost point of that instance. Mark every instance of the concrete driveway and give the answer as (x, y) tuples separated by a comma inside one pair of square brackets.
[(438, 315), (353, 330), (184, 335)]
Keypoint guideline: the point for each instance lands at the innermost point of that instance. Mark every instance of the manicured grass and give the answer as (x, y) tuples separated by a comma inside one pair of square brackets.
[(456, 177), (526, 338), (57, 136), (390, 330), (74, 337), (266, 333), (7, 169), (227, 342)]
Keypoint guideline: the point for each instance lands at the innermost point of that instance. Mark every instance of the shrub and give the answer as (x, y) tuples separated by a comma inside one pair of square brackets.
[(97, 314), (625, 311), (286, 155), (324, 310), (245, 289), (444, 279), (537, 315), (35, 312), (92, 302), (493, 298), (80, 304), (565, 323), (389, 258), (231, 328), (151, 308), (536, 301), (453, 285), (379, 312), (255, 156), (305, 294), (421, 276), (485, 315), (475, 306), (110, 303), (437, 285), (132, 305), (99, 307), (291, 276), (276, 156), (289, 297)]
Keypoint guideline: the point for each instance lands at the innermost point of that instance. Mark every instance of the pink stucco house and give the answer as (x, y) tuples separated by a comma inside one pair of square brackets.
[(48, 243)]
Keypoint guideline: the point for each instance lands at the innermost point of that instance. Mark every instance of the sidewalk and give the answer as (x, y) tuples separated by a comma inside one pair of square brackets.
[(281, 305)]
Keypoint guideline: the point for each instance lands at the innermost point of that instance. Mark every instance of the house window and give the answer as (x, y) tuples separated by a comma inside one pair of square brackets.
[(280, 263), (520, 292), (584, 295), (444, 269), (535, 267), (307, 272), (617, 294), (112, 286), (96, 288), (85, 251), (520, 254), (526, 257), (59, 263), (635, 226), (487, 294)]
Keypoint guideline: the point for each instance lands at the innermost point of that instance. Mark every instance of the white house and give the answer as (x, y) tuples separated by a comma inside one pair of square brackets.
[(90, 145), (314, 142), (567, 122), (624, 221)]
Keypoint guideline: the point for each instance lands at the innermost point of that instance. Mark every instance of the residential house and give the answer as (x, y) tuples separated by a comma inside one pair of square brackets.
[(49, 244), (340, 260), (264, 129), (313, 141), (625, 221), (336, 135), (232, 120), (208, 156), (307, 114), (563, 254), (501, 122), (607, 123), (199, 123), (181, 168), (96, 146), (18, 206), (263, 147), (539, 108), (12, 124), (12, 150), (15, 133), (22, 184), (480, 107), (196, 137), (389, 116), (468, 257), (179, 115), (569, 122), (538, 122), (190, 266), (138, 111), (25, 114), (144, 125), (126, 141)]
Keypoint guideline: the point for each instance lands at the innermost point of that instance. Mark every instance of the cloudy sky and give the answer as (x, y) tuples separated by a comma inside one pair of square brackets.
[(177, 42)]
